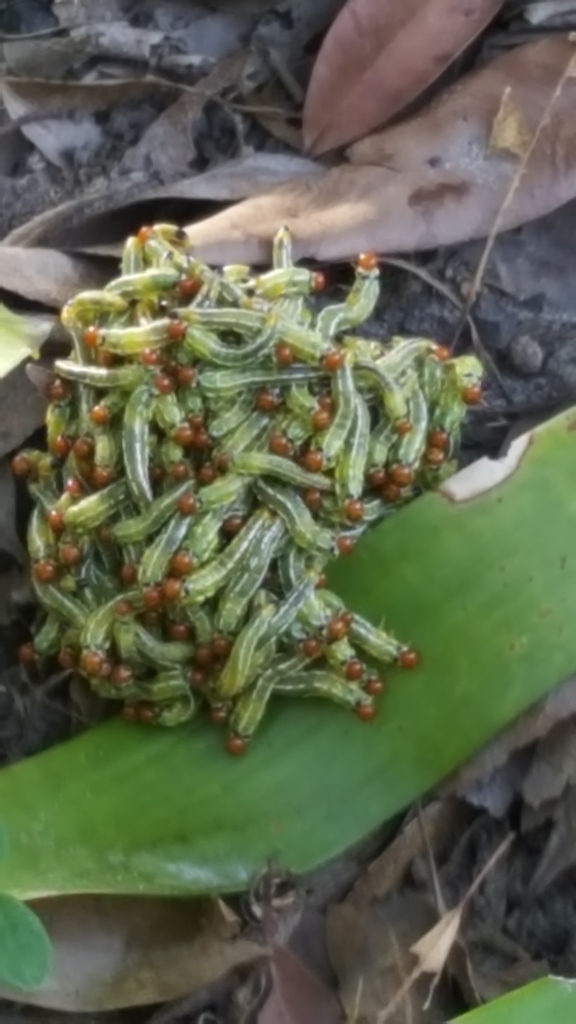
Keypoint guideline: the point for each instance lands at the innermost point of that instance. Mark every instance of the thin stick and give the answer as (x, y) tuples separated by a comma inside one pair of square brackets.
[(481, 269)]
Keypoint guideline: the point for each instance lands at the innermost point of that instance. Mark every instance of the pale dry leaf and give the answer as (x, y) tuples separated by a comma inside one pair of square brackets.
[(509, 130), (113, 952), (434, 947), (49, 277), (297, 996), (378, 56), (109, 216), (21, 336)]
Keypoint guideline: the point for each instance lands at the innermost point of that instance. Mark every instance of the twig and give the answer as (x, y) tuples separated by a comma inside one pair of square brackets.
[(445, 290), (522, 165)]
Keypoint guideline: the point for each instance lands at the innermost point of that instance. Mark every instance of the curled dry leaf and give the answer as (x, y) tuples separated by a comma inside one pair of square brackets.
[(49, 277), (114, 952), (378, 56), (94, 220), (452, 184)]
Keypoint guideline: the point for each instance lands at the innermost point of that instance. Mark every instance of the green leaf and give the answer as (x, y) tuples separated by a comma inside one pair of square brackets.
[(486, 588), (3, 841), (25, 953), (548, 1001), (21, 336)]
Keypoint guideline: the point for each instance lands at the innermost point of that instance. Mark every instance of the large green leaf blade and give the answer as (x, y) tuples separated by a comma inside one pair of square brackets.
[(548, 1001), (486, 589)]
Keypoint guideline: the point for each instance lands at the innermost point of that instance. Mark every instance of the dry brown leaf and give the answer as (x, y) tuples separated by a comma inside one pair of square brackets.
[(49, 277), (369, 949), (553, 766), (108, 217), (510, 131), (437, 823), (297, 996), (111, 952), (560, 850), (378, 56), (451, 187), (532, 725)]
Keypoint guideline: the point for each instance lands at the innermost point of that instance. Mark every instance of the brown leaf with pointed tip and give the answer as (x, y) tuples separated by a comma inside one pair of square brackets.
[(111, 951), (297, 996), (378, 56), (451, 188)]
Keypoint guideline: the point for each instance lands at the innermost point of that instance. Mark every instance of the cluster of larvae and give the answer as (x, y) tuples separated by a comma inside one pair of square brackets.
[(213, 442)]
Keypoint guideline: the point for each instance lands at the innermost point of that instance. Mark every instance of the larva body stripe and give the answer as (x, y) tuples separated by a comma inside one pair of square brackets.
[(404, 352), (381, 440), (161, 652), (204, 535), (202, 344), (41, 542), (359, 304), (97, 629), (153, 518), (238, 321), (63, 605), (339, 652), (250, 707), (124, 637), (90, 305), (351, 467), (60, 421), (261, 464), (231, 417), (411, 446), (233, 604), (288, 609), (107, 448), (248, 433), (135, 438), (224, 491), (393, 397), (170, 683), (132, 259), (318, 683), (282, 249), (307, 343), (219, 383), (166, 412), (376, 642), (145, 283), (201, 621), (124, 377), (232, 679), (91, 512), (100, 583), (280, 282), (154, 563), (344, 393), (133, 341), (175, 712), (299, 522), (208, 580), (44, 495), (47, 639)]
